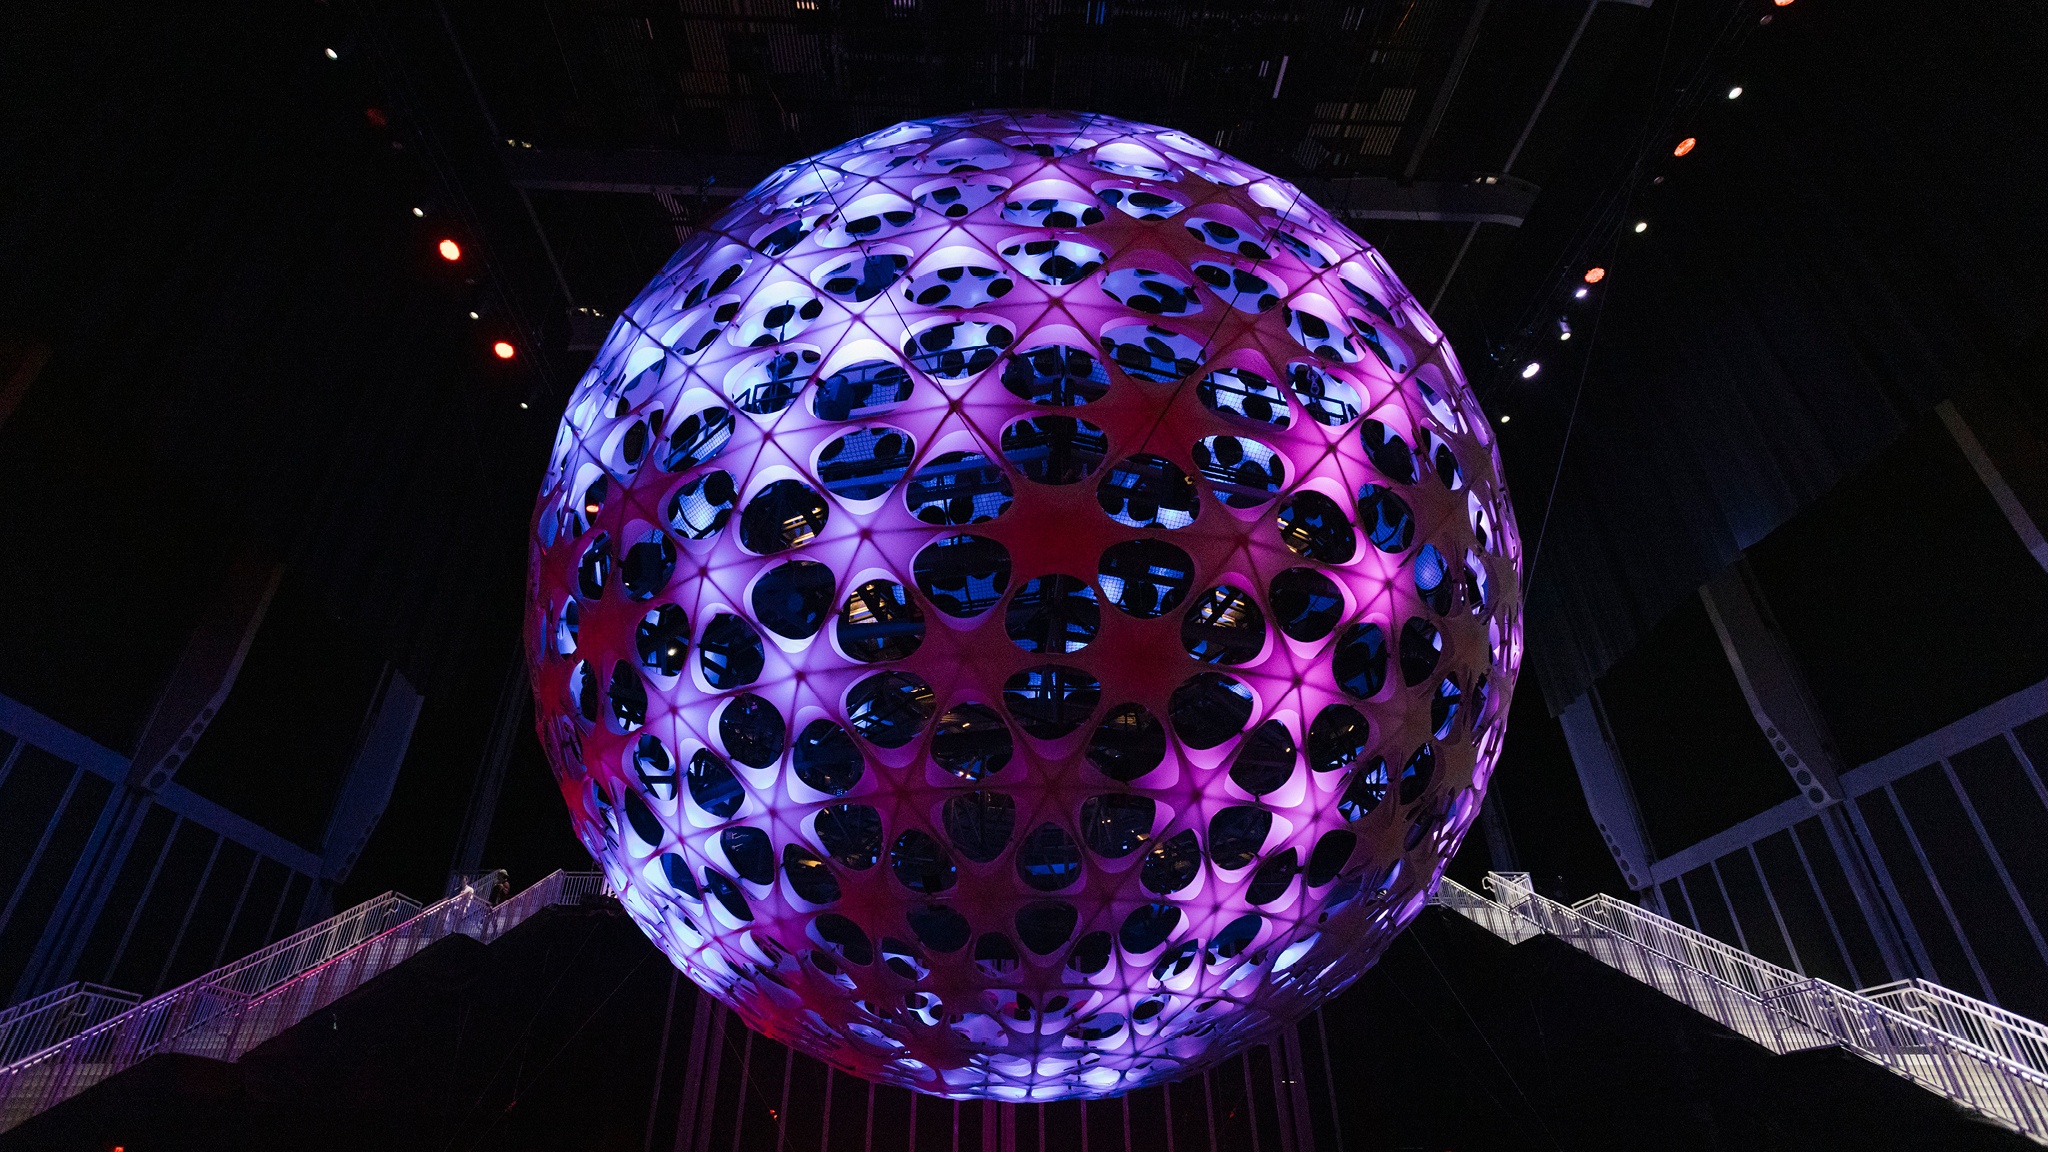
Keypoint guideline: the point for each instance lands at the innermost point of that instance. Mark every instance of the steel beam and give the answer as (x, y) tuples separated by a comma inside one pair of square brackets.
[(1484, 199), (1773, 684), (366, 790), (1608, 793)]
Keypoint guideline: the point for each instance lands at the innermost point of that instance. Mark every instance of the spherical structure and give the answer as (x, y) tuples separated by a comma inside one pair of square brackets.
[(1023, 606)]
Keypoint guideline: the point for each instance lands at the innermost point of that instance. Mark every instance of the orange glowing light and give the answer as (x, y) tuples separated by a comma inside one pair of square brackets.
[(503, 350), (1782, 3), (450, 250), (1684, 146), (1595, 275)]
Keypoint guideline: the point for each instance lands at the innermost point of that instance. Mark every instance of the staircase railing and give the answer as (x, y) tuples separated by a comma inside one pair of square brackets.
[(227, 1012), (35, 1024), (1973, 1053)]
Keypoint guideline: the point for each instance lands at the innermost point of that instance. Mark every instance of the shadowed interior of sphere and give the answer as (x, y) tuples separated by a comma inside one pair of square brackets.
[(1023, 606)]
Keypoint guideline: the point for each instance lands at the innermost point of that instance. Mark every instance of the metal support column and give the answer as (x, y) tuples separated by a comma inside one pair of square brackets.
[(366, 789), (1783, 707), (2026, 453), (1608, 793), (199, 684)]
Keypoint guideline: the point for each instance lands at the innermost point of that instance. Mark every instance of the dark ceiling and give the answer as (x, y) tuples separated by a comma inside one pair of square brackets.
[(208, 221)]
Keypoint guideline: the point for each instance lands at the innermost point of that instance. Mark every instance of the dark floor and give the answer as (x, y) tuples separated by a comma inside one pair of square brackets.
[(547, 1040)]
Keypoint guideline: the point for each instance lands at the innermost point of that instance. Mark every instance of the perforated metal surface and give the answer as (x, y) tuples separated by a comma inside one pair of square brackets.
[(1024, 605)]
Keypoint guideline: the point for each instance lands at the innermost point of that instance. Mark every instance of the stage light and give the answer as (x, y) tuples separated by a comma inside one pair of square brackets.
[(1564, 328), (1782, 3), (1595, 275), (1735, 92), (522, 404), (1684, 146), (450, 250), (419, 212), (333, 55), (1579, 293), (1503, 417), (1011, 754), (503, 350), (1642, 226), (473, 316), (1530, 370)]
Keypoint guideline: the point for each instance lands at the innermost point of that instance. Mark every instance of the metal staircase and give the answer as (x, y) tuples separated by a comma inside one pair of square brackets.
[(65, 1041), (1976, 1054)]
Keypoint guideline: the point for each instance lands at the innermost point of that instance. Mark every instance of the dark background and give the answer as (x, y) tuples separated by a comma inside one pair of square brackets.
[(256, 351)]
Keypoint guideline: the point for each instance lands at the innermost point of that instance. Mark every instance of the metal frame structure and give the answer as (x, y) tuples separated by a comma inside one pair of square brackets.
[(1170, 392), (1989, 1060), (68, 882), (1802, 852), (81, 1040)]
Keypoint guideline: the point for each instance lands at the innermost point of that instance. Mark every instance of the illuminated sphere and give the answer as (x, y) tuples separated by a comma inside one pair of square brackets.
[(1023, 606)]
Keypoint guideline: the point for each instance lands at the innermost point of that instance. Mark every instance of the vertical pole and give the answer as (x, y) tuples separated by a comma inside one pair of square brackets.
[(1771, 899), (709, 1055), (1877, 897), (1297, 1083), (35, 858), (1994, 481), (825, 1129), (1283, 1120), (1826, 913), (2012, 891), (1166, 1105), (782, 1113), (739, 1113), (142, 898), (1734, 917), (1329, 1079), (1940, 895), (1208, 1105), (668, 1019), (255, 862), (1691, 912), (191, 906)]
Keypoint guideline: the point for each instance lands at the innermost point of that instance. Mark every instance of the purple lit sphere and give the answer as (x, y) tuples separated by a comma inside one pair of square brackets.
[(1023, 606)]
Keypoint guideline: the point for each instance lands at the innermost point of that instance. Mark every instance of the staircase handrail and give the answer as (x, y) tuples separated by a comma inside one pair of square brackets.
[(2008, 1033), (1979, 1055), (232, 1009), (38, 1022)]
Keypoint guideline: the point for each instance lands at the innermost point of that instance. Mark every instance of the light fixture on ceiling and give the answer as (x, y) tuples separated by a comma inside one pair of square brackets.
[(1735, 92), (450, 250), (1642, 226), (1530, 370), (1685, 145), (503, 350)]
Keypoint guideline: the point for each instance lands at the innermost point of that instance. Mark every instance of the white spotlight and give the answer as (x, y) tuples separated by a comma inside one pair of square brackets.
[(333, 55), (1530, 370), (1578, 294), (1735, 92), (1642, 226)]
